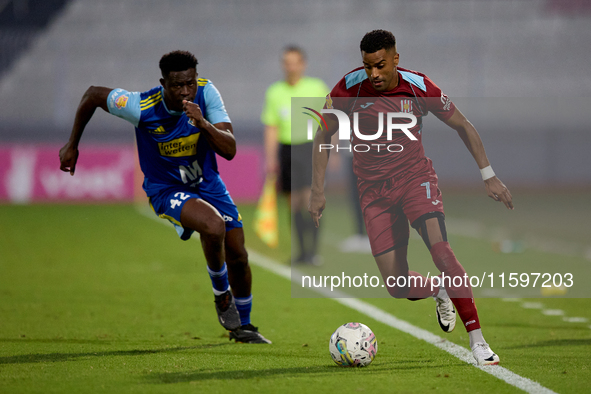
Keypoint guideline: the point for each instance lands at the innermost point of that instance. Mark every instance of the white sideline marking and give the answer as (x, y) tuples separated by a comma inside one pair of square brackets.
[(376, 313), (474, 229), (575, 319), (553, 312), (532, 305)]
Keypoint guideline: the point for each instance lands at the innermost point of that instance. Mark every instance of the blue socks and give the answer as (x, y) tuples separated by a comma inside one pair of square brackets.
[(244, 305), (219, 280)]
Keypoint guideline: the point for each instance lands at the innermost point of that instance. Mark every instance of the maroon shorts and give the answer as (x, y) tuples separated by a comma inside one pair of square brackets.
[(388, 206)]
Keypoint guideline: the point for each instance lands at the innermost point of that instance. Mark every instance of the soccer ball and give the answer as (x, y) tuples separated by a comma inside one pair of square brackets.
[(353, 345)]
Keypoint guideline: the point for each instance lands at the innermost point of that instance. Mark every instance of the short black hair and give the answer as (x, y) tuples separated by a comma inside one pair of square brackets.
[(376, 40), (295, 48), (177, 61)]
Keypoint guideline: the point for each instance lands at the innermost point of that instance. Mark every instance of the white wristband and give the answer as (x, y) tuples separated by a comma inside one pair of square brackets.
[(487, 173)]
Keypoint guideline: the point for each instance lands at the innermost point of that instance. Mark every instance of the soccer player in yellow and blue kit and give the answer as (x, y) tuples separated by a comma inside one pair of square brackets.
[(180, 126)]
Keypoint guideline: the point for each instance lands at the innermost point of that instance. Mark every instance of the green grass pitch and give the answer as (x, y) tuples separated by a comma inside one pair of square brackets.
[(104, 299)]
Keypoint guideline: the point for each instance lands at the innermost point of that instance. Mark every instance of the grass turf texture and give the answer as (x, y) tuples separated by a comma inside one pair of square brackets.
[(102, 299)]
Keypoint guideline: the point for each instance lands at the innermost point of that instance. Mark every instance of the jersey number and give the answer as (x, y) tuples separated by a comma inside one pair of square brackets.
[(174, 202), (192, 174), (428, 187)]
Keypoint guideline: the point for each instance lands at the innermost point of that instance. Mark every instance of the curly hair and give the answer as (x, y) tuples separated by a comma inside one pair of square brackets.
[(376, 40), (177, 61)]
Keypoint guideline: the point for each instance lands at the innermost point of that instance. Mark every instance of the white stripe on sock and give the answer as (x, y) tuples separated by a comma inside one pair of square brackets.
[(218, 293), (216, 274), (243, 300)]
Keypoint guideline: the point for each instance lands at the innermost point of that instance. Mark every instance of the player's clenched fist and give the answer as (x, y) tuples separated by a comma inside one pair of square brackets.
[(194, 113)]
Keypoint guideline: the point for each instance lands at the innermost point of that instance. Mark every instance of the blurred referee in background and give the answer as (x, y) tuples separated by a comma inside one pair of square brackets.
[(284, 149)]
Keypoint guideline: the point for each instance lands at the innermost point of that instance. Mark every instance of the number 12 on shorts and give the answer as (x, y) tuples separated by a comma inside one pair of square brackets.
[(174, 202), (428, 187)]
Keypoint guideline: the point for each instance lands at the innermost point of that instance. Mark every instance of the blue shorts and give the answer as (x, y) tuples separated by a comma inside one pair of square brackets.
[(169, 202)]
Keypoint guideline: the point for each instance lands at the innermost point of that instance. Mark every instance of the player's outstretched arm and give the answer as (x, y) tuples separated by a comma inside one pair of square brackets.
[(494, 187), (94, 97), (220, 135), (319, 163)]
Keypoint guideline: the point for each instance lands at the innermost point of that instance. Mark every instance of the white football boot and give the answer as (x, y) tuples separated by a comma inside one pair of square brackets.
[(484, 355), (446, 313)]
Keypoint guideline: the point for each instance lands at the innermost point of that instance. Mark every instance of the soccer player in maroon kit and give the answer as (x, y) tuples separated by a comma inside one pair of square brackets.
[(396, 181)]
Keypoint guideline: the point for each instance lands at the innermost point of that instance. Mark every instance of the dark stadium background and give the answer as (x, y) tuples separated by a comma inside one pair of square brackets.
[(510, 55)]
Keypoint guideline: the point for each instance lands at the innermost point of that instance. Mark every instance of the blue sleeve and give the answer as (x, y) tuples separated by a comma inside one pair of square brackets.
[(216, 111), (125, 105)]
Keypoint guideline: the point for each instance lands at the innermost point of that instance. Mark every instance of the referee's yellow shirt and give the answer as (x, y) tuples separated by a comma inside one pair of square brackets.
[(277, 110)]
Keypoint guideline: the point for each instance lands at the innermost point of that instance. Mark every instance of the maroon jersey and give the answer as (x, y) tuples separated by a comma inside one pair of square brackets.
[(385, 157)]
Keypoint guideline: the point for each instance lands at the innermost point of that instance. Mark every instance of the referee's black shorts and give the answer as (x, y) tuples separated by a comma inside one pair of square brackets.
[(295, 163)]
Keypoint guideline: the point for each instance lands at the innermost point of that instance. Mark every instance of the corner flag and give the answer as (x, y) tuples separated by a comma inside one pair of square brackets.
[(265, 216)]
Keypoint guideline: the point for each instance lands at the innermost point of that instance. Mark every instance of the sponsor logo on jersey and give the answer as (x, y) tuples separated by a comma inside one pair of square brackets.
[(445, 101), (192, 173), (121, 102), (114, 98), (159, 130), (366, 105), (406, 106), (180, 147)]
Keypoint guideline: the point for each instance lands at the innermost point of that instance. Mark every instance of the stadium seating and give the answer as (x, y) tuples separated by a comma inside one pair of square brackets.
[(471, 48)]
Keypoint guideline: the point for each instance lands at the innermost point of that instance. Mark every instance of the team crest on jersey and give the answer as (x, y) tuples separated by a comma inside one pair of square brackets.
[(121, 102), (406, 106), (180, 147)]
